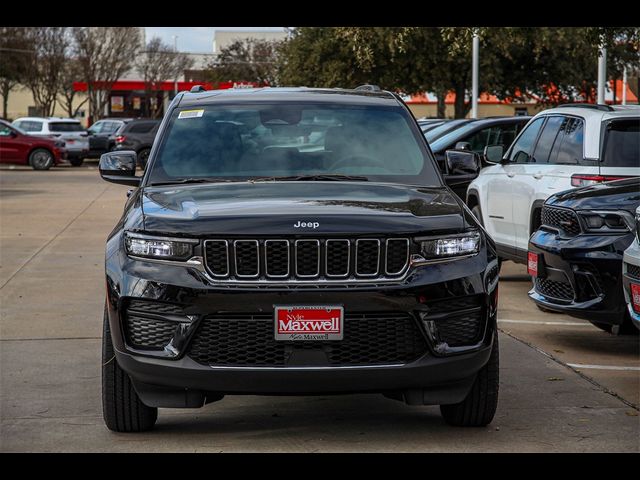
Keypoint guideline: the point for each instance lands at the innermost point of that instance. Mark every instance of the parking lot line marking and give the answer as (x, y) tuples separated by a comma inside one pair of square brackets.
[(535, 322), (602, 367)]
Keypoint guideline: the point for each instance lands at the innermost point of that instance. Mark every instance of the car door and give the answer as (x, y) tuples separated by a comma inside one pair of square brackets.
[(503, 187), (9, 144), (14, 146), (533, 177)]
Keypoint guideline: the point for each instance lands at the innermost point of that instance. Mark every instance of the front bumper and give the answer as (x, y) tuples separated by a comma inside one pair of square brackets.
[(171, 377), (580, 276)]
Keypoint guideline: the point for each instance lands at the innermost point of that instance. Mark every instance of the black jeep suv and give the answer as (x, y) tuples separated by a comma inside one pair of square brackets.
[(295, 241)]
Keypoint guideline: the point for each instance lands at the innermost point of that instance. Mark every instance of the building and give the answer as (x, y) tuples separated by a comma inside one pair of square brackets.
[(426, 105)]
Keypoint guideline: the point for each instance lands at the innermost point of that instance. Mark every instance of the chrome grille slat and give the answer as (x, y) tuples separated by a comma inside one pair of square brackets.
[(306, 259)]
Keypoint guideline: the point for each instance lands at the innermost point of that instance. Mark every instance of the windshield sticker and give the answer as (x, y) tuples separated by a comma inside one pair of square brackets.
[(191, 113)]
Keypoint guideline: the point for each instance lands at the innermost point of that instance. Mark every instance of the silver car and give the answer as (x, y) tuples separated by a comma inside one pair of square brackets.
[(69, 130)]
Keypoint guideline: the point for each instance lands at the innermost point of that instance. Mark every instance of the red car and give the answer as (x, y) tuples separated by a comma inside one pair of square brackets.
[(20, 148)]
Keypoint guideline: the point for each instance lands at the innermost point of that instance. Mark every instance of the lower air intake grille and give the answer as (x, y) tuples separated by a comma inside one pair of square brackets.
[(461, 330), (148, 332), (633, 271), (554, 289), (248, 340)]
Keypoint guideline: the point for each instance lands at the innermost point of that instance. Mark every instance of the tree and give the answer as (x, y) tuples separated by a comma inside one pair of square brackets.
[(248, 60), (105, 54), (16, 49), (71, 72), (157, 63), (46, 64)]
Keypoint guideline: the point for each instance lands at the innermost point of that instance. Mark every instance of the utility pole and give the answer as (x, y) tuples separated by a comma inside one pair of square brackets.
[(175, 79), (602, 72), (475, 65)]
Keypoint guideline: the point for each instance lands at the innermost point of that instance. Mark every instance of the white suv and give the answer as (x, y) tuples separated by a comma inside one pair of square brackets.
[(559, 149), (69, 130)]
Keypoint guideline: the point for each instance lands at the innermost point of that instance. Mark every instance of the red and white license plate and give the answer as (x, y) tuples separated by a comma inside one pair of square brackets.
[(309, 322), (532, 264), (635, 297)]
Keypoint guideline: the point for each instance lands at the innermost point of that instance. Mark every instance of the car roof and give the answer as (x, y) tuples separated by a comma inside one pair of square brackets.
[(292, 94), (593, 116), (48, 119)]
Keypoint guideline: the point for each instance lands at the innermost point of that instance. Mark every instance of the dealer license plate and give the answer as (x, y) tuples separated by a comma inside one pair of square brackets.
[(309, 322)]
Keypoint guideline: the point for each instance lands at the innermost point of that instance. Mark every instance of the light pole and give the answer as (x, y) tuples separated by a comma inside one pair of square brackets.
[(175, 79), (624, 85), (602, 72), (474, 75)]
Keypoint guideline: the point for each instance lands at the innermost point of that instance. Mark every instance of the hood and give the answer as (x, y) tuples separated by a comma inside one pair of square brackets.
[(616, 195), (317, 208)]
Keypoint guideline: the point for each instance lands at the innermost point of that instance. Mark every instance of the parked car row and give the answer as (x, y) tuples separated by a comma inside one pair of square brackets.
[(18, 147), (529, 200), (46, 142)]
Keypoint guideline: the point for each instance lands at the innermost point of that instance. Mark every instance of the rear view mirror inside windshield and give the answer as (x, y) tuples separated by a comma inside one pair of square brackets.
[(289, 115)]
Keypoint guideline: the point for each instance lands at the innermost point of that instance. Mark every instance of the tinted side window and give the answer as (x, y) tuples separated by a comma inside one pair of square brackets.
[(548, 138), (570, 151), (65, 127), (144, 127), (5, 131), (30, 125), (504, 135), (478, 140), (521, 151), (621, 146), (96, 127)]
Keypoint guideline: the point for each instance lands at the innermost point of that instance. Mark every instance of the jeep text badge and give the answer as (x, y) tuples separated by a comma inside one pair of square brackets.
[(300, 224)]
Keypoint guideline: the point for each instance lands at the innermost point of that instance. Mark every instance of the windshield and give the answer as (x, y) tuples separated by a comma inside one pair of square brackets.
[(440, 130), (622, 144), (241, 142)]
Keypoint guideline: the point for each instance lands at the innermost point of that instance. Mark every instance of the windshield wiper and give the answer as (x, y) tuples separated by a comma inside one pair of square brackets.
[(320, 177), (191, 180)]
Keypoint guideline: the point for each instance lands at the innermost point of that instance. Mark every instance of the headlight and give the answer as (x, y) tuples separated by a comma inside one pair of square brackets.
[(159, 247), (451, 245), (607, 221)]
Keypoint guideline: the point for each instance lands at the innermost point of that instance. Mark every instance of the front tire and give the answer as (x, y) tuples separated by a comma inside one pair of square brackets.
[(41, 159), (479, 407), (143, 157), (122, 409), (476, 213)]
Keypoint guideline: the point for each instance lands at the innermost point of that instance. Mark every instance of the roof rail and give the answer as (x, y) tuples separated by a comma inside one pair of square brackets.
[(197, 89), (597, 106), (368, 88)]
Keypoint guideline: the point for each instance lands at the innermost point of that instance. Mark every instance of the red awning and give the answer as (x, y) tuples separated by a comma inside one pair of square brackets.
[(130, 85)]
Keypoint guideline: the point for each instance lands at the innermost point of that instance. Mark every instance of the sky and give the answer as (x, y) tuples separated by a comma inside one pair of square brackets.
[(194, 39)]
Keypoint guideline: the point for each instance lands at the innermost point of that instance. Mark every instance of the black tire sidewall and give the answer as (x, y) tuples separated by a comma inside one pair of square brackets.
[(48, 165)]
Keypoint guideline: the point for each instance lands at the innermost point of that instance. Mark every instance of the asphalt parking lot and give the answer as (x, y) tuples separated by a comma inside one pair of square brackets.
[(565, 385)]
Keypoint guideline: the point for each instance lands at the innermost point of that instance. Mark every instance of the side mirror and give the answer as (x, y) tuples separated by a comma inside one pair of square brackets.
[(461, 162), (493, 153), (463, 146), (119, 167)]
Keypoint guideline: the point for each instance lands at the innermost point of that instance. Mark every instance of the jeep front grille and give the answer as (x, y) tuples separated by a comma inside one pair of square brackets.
[(561, 219), (306, 259)]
